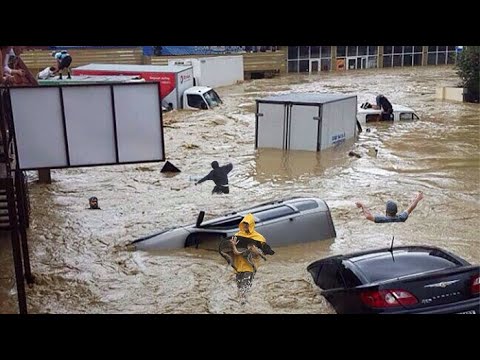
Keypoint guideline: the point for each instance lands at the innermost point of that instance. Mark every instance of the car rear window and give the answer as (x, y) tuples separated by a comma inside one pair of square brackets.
[(305, 205), (223, 223), (384, 266), (274, 213)]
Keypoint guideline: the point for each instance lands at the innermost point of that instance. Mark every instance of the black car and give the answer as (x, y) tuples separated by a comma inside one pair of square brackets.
[(402, 280)]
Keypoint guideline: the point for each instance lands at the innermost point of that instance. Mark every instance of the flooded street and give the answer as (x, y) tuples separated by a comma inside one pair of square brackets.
[(80, 260)]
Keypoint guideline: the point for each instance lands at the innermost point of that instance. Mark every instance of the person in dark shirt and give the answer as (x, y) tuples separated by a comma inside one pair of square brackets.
[(391, 211), (219, 175), (63, 60), (386, 106)]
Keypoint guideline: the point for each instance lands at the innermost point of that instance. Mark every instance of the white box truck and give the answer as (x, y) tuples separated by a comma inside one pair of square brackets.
[(214, 71), (177, 90), (305, 121)]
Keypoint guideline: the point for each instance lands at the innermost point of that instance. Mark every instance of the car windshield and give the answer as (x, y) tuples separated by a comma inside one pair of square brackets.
[(212, 98), (382, 266)]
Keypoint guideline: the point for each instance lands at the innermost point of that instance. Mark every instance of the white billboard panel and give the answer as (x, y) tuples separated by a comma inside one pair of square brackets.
[(90, 130), (139, 127), (86, 125), (37, 114)]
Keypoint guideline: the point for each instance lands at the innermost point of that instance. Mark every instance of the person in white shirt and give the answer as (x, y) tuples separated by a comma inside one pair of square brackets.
[(4, 78), (6, 68), (47, 73)]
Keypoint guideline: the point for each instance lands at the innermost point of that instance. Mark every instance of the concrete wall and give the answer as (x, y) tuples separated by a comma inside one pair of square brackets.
[(449, 93)]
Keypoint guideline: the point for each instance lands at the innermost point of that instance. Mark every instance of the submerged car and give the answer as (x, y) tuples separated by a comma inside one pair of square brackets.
[(400, 112), (284, 222), (402, 280)]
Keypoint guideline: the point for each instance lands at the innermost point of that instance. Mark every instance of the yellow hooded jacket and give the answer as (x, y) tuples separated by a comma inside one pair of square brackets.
[(240, 263)]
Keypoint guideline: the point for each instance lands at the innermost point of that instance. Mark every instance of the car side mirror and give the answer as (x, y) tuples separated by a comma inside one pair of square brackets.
[(203, 106)]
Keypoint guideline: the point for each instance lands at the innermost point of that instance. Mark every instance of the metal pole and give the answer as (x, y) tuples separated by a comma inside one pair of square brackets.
[(21, 199), (17, 254)]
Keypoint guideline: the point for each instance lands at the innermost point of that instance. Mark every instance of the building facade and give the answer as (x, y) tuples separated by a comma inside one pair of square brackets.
[(314, 59)]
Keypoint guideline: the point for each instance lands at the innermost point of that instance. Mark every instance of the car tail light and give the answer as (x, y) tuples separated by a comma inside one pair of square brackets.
[(387, 298), (475, 287)]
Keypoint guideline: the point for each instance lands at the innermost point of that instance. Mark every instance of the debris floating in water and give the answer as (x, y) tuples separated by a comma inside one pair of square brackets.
[(169, 167)]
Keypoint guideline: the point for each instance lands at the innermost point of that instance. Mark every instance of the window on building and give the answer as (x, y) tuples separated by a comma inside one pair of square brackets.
[(293, 52), (417, 59), (372, 50), (362, 50), (387, 61), (341, 51), (304, 66), (441, 58), (407, 59), (327, 51), (293, 66), (372, 62), (397, 60), (325, 64), (402, 56), (304, 52), (352, 50), (441, 55), (315, 51)]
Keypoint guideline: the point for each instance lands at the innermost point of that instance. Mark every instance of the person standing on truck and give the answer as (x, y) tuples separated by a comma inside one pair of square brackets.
[(385, 106), (64, 60), (219, 175)]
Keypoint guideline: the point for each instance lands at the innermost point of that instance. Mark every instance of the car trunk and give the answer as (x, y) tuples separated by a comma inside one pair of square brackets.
[(438, 287)]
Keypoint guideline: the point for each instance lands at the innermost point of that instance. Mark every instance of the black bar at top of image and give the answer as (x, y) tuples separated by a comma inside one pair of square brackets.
[(114, 116), (62, 105)]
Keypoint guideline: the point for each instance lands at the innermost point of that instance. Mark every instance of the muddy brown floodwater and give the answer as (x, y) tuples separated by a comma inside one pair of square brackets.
[(79, 256)]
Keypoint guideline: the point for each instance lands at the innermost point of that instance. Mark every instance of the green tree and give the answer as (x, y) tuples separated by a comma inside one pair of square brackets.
[(468, 69)]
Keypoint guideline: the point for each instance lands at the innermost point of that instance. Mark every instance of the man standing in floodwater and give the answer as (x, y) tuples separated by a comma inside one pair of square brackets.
[(219, 175), (245, 262), (391, 211)]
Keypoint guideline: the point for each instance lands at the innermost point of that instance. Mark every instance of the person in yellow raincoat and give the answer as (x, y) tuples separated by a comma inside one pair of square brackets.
[(245, 249)]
